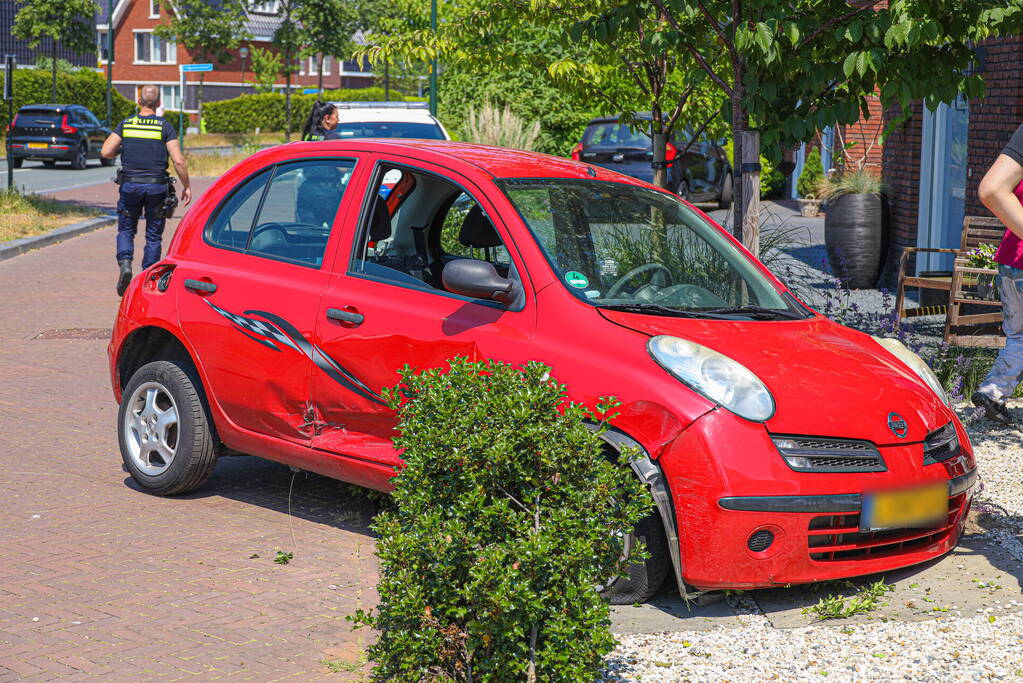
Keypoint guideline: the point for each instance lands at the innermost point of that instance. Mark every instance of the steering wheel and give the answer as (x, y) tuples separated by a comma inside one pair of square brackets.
[(620, 282), (267, 236)]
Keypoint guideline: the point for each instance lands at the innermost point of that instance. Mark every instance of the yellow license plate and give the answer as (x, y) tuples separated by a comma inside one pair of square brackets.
[(37, 145), (919, 507)]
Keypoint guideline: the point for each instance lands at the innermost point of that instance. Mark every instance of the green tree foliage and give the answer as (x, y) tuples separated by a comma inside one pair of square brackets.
[(209, 31), (289, 39), (85, 87), (266, 65), (507, 514), (65, 22), (327, 28), (812, 175)]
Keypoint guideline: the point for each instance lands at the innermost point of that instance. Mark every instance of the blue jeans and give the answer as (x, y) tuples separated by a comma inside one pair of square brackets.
[(1007, 371), (134, 198)]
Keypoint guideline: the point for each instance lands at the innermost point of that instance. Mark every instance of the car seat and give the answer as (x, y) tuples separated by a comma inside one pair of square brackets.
[(318, 196)]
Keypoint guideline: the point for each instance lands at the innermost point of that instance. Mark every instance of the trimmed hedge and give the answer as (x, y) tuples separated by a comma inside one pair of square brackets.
[(88, 88), (246, 113)]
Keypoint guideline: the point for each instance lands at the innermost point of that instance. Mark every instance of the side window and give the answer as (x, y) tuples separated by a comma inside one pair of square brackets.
[(233, 220), (301, 202), (93, 121), (459, 236), (409, 241)]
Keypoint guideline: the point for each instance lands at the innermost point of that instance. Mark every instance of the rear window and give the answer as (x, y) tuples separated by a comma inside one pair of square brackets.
[(615, 135), (390, 129), (37, 118)]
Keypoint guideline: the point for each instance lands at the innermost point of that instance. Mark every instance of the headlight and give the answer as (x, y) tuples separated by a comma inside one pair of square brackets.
[(715, 376), (915, 363)]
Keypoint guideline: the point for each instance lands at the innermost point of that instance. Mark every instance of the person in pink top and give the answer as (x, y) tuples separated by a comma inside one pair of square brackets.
[(1001, 190)]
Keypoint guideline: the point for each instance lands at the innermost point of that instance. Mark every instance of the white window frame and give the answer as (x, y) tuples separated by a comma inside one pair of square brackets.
[(101, 45), (172, 102), (326, 65), (172, 48), (154, 9), (313, 68), (266, 7)]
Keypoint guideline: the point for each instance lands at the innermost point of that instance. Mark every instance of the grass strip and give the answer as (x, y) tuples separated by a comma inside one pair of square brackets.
[(23, 215)]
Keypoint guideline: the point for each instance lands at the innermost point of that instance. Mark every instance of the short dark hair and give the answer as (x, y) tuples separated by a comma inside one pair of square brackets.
[(149, 96)]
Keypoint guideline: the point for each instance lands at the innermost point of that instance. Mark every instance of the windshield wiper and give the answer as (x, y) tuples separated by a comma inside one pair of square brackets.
[(757, 312), (657, 309)]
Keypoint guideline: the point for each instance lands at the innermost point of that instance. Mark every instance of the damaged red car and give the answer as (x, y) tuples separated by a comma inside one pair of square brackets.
[(779, 446)]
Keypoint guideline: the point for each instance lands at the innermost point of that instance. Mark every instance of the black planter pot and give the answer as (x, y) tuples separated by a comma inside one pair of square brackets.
[(856, 237)]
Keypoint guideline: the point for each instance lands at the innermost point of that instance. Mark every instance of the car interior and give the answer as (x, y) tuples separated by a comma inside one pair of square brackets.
[(417, 224)]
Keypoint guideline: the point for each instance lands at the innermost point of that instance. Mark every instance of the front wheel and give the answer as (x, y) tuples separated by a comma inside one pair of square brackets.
[(166, 439), (642, 579), (80, 159)]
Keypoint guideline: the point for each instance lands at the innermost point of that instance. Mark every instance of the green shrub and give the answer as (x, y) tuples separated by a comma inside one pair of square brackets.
[(265, 111), (88, 88), (506, 516), (812, 175)]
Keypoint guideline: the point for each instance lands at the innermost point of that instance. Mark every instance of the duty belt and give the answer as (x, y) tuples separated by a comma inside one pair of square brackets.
[(155, 177)]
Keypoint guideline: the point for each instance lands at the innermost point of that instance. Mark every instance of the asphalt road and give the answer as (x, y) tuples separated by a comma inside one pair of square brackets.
[(33, 177)]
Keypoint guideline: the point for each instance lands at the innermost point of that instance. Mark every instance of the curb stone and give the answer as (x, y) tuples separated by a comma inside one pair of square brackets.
[(20, 246)]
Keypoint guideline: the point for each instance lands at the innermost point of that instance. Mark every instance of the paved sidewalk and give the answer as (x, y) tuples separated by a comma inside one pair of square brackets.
[(99, 579)]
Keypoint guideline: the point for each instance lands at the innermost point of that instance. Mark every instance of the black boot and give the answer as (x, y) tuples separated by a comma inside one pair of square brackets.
[(124, 277)]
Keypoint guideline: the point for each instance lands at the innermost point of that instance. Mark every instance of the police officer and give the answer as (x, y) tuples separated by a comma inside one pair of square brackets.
[(321, 123), (144, 141)]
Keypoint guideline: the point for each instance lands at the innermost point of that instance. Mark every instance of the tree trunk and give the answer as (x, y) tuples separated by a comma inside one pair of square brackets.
[(319, 84), (53, 68), (387, 81), (751, 191)]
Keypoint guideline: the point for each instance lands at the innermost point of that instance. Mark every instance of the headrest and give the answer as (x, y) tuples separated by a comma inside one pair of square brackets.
[(477, 231), (380, 227)]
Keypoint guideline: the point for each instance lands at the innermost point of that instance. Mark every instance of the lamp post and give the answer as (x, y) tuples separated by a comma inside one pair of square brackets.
[(244, 52), (433, 62), (110, 62)]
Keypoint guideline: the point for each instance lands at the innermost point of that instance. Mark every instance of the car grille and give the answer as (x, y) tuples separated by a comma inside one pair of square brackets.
[(818, 454), (837, 538)]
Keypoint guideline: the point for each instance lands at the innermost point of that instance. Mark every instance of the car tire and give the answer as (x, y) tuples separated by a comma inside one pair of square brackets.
[(166, 452), (725, 200), (683, 191), (49, 163), (643, 579), (103, 161), (16, 162), (81, 158)]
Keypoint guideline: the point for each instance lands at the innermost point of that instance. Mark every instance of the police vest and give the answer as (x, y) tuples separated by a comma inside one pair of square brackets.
[(144, 142)]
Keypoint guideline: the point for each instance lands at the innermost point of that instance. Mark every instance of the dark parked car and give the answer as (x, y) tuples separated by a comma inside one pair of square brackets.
[(56, 132), (702, 174)]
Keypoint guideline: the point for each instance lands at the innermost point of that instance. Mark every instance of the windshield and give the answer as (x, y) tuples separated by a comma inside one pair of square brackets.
[(621, 246), (615, 135), (390, 129)]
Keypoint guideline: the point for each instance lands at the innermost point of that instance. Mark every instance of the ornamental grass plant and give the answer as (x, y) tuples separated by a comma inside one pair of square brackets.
[(507, 515), (491, 125)]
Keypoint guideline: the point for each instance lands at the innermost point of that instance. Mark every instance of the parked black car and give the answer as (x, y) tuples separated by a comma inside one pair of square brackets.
[(56, 132), (702, 174)]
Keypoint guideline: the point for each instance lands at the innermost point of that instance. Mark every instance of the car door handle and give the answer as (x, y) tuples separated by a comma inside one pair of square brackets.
[(198, 286), (345, 316)]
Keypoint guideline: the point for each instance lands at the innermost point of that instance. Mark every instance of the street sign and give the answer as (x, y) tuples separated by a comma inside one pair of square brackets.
[(196, 67), (310, 91), (8, 77)]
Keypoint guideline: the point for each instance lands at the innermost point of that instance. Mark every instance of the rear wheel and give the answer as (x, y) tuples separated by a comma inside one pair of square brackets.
[(725, 200), (683, 191), (642, 579), (166, 439), (81, 158)]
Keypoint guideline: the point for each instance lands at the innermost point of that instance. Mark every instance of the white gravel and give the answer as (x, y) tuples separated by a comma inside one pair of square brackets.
[(981, 647)]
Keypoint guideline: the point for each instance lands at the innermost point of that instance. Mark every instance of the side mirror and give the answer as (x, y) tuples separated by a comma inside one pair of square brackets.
[(478, 279)]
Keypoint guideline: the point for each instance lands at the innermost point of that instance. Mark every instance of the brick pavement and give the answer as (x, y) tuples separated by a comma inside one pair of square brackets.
[(100, 580)]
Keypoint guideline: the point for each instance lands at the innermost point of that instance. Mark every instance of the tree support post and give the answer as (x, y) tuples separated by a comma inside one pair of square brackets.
[(750, 194)]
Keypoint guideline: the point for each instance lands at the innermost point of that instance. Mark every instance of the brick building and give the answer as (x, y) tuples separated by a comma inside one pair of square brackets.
[(141, 57)]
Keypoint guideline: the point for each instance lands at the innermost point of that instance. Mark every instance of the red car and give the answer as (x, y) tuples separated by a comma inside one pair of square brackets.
[(780, 447)]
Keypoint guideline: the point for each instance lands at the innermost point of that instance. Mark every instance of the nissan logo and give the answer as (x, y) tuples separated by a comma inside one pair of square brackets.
[(897, 425)]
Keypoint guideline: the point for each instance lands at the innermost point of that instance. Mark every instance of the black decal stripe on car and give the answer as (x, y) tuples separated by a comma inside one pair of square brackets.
[(321, 359), (243, 325)]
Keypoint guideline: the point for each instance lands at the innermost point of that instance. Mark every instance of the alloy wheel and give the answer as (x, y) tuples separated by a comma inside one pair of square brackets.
[(151, 428)]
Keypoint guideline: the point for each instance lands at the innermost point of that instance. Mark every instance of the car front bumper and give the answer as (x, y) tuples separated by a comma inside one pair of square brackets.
[(745, 520)]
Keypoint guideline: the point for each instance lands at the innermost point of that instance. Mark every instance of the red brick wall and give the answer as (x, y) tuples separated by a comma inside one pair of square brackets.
[(901, 176), (864, 137), (994, 119)]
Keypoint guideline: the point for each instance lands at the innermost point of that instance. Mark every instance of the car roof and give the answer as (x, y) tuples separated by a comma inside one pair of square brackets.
[(50, 107), (500, 162), (639, 116)]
